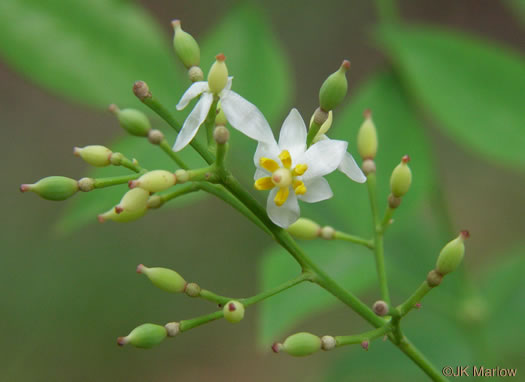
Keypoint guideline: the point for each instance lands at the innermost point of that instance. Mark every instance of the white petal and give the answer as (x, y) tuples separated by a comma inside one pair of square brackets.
[(317, 189), (267, 150), (193, 122), (193, 91), (286, 214), (350, 168), (323, 157), (229, 83), (293, 134), (245, 117), (260, 173)]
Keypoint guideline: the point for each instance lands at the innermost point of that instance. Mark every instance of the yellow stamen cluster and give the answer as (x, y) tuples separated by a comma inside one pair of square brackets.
[(282, 177)]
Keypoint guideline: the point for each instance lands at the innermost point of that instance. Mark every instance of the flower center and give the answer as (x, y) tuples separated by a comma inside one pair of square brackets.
[(282, 177)]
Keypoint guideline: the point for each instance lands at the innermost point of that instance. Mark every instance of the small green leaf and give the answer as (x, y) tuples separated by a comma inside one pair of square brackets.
[(473, 88), (89, 51), (280, 313)]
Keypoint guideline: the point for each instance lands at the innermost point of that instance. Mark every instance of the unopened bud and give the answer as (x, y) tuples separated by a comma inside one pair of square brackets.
[(334, 88), (452, 254), (367, 138), (86, 184), (380, 308), (163, 278), (133, 121), (328, 342), (144, 336), (305, 229), (154, 181), (155, 136), (155, 201), (327, 233), (401, 178), (302, 344), (365, 345), (434, 278), (182, 176), (233, 311), (124, 216), (192, 290), (133, 200), (94, 155), (221, 134), (141, 90), (185, 46), (195, 74), (172, 328), (218, 74), (220, 119), (53, 187)]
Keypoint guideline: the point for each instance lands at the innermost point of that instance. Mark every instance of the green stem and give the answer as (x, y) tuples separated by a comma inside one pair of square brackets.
[(378, 239), (198, 321), (165, 146), (386, 219), (179, 191), (416, 297), (419, 359), (209, 123), (130, 165), (114, 180), (312, 132), (353, 239), (366, 336), (213, 297), (221, 152)]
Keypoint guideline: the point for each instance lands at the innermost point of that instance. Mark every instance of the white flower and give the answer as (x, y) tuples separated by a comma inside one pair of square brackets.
[(292, 172), (348, 165), (241, 114)]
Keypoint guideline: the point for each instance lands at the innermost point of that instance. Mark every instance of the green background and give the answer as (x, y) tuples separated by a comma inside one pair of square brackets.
[(450, 93)]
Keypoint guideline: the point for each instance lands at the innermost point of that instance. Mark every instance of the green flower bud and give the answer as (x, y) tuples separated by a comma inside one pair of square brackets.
[(144, 336), (133, 200), (53, 187), (452, 254), (401, 178), (218, 74), (302, 344), (185, 46), (367, 137), (164, 278), (133, 121), (124, 216), (334, 88), (304, 229), (154, 181), (95, 155), (233, 311)]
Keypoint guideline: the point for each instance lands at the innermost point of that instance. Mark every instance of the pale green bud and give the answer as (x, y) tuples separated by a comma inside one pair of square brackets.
[(233, 311), (133, 121), (133, 200), (185, 46), (304, 229), (302, 344), (367, 138), (154, 181), (95, 155), (452, 254), (218, 74), (164, 278), (121, 217), (334, 88), (401, 178), (52, 187), (144, 336)]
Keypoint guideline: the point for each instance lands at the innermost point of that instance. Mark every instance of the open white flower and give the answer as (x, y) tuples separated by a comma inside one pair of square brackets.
[(241, 114), (348, 165), (292, 172)]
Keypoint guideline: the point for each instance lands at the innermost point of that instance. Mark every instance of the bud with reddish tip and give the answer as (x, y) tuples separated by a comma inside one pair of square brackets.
[(452, 254), (233, 311), (365, 345), (122, 217), (133, 121), (186, 47), (133, 200), (401, 178), (144, 336), (154, 181), (218, 74), (53, 187), (305, 229), (301, 344), (163, 278), (367, 137), (95, 155), (334, 88)]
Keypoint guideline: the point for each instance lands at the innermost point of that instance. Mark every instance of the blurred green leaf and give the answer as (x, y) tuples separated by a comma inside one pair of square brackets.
[(473, 88), (85, 207), (281, 312), (518, 8), (88, 51)]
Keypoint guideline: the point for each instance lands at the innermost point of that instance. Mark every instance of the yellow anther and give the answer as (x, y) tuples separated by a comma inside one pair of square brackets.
[(281, 196), (299, 170), (264, 183), (299, 187), (286, 159), (268, 164)]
